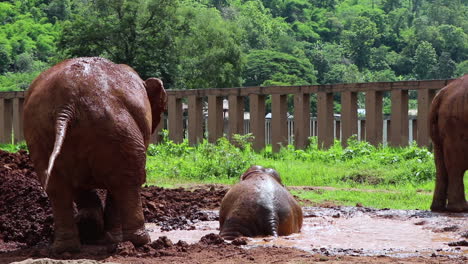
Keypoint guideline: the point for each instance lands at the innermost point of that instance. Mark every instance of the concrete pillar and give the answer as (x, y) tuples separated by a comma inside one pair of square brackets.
[(279, 119), (400, 130), (18, 119), (6, 120), (215, 118), (236, 115), (301, 120), (257, 120), (425, 97), (325, 119), (374, 117), (174, 110), (195, 119), (349, 116)]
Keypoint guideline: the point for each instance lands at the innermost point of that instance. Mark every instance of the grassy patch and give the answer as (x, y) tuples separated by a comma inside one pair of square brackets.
[(404, 199), (380, 177)]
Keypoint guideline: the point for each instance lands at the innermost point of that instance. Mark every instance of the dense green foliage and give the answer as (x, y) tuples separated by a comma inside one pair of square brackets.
[(225, 43)]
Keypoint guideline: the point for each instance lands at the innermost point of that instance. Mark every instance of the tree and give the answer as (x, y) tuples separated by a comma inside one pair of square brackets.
[(4, 60), (445, 67), (209, 50), (135, 32), (462, 69), (269, 65), (261, 32), (342, 73), (425, 61), (359, 39)]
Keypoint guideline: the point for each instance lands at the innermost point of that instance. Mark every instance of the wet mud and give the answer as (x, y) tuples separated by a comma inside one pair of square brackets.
[(183, 226)]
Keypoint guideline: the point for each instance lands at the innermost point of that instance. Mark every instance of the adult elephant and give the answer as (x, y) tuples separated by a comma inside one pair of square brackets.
[(259, 205), (449, 134), (87, 124)]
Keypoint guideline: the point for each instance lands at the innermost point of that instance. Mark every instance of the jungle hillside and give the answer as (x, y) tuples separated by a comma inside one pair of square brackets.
[(193, 44)]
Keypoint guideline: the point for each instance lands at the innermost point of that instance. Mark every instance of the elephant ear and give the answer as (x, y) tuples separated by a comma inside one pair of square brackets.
[(158, 100)]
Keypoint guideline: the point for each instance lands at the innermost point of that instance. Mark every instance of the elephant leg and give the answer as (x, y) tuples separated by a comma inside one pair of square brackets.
[(439, 200), (132, 220), (66, 233), (90, 218), (456, 191), (456, 194), (112, 227), (456, 167)]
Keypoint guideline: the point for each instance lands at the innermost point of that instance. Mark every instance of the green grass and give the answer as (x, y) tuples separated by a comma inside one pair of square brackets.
[(380, 177), (402, 199)]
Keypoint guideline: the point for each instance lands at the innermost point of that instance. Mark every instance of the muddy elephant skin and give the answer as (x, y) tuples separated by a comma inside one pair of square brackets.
[(449, 133), (259, 205), (87, 124)]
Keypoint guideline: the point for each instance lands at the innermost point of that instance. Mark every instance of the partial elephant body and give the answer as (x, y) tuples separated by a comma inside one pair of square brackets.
[(87, 123), (259, 205), (449, 133)]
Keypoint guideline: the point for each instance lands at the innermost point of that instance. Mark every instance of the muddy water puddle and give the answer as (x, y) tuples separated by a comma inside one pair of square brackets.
[(357, 231)]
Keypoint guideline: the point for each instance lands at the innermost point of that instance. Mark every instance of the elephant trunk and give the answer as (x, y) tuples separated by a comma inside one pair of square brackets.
[(63, 119)]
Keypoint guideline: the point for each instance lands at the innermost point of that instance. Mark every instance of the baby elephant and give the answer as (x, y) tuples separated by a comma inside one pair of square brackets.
[(87, 123), (259, 205)]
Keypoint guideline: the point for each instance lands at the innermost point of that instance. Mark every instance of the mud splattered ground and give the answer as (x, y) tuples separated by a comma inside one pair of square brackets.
[(182, 223)]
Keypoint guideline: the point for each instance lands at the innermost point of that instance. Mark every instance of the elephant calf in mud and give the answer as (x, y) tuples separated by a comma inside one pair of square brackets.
[(449, 133), (87, 124), (259, 205)]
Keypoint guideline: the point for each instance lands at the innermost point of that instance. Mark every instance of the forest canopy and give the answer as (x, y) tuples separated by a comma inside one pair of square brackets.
[(193, 44)]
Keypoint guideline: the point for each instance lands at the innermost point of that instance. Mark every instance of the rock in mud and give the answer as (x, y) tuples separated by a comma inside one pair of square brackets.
[(212, 239), (240, 241), (162, 242)]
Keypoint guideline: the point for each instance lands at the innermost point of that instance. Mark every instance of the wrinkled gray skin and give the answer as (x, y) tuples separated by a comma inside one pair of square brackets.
[(87, 123), (259, 205)]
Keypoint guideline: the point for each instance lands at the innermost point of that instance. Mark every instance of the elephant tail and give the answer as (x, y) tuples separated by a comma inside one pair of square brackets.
[(63, 120)]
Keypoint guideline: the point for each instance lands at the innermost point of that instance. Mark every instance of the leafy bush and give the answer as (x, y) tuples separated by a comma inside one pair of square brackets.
[(363, 162), (203, 161)]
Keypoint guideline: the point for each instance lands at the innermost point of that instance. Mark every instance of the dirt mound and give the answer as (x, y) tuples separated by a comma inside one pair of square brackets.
[(26, 215)]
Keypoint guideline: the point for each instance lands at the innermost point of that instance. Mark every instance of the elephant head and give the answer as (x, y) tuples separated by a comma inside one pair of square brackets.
[(158, 99)]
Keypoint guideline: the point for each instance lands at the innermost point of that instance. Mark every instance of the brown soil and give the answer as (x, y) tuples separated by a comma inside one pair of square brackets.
[(26, 228)]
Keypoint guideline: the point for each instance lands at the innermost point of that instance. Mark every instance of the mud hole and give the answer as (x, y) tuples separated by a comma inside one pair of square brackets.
[(183, 226)]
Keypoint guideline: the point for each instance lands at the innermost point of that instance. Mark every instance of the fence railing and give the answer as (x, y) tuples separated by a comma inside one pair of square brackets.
[(205, 115), (371, 128)]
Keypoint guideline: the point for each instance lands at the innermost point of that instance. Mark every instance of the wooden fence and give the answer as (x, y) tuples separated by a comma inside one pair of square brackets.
[(326, 127)]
